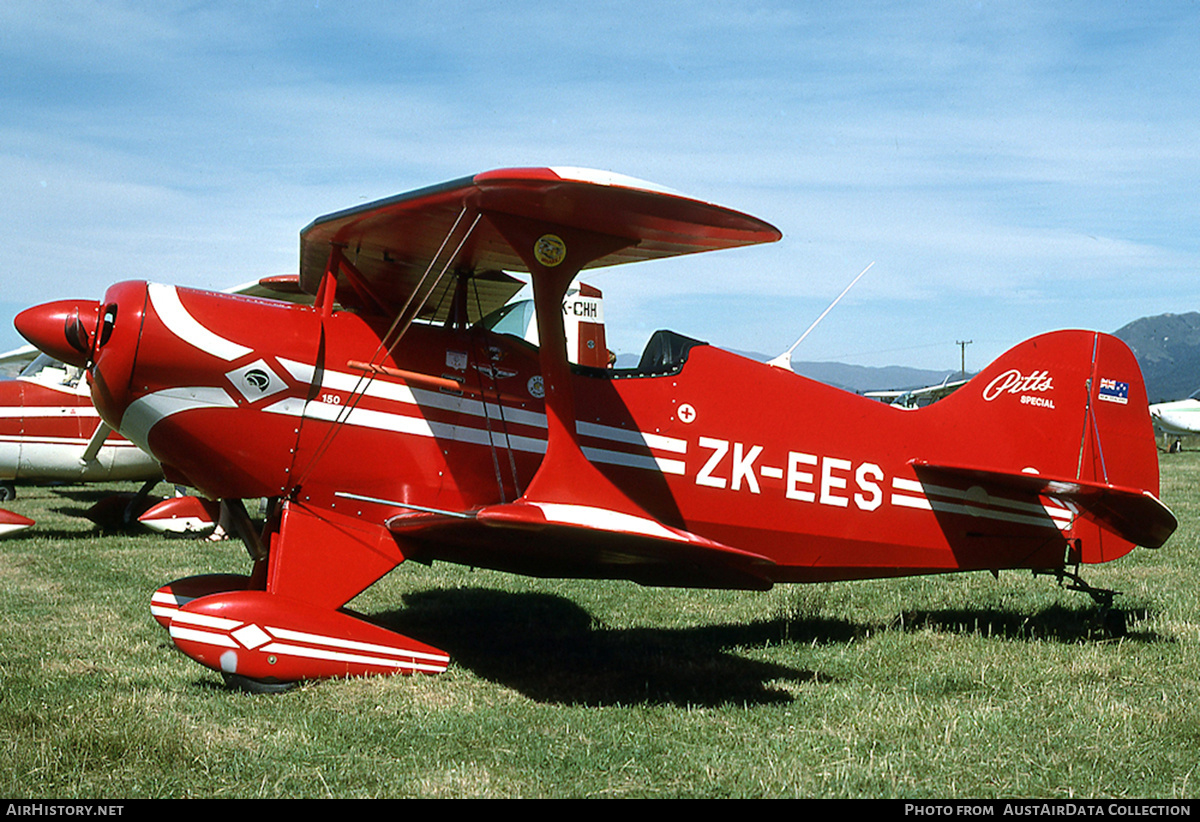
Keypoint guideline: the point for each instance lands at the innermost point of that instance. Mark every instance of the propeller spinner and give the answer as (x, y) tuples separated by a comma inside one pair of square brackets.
[(64, 329)]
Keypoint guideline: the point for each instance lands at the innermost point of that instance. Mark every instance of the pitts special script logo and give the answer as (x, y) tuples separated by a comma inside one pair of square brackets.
[(1014, 382)]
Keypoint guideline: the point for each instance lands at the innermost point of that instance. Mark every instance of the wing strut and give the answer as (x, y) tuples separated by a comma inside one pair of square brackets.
[(555, 255), (97, 440)]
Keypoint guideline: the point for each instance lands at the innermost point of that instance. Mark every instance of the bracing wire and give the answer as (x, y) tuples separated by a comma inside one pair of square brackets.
[(495, 385), (364, 381)]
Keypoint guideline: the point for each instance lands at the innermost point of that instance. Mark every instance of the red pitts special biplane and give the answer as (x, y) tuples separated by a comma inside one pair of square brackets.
[(402, 427)]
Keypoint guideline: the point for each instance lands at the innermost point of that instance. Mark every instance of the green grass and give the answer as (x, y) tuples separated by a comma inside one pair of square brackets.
[(961, 686)]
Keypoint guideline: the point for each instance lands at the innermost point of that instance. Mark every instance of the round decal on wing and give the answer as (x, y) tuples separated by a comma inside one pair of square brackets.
[(550, 250)]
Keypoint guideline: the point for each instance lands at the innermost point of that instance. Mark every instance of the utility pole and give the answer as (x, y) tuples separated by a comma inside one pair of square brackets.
[(962, 345)]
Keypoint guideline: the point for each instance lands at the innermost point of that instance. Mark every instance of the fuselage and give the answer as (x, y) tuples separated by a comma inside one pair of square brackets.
[(1179, 417), (255, 398), (48, 421)]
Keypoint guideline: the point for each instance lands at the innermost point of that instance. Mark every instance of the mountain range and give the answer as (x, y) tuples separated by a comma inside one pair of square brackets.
[(1167, 347)]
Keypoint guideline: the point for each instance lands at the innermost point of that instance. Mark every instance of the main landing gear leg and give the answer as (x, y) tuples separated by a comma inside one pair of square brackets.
[(1112, 620)]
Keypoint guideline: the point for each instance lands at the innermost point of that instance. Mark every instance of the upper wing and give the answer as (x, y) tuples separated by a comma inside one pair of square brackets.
[(495, 287), (571, 520), (393, 242)]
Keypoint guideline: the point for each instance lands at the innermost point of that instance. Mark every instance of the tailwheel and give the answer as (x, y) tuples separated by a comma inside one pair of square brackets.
[(1112, 620)]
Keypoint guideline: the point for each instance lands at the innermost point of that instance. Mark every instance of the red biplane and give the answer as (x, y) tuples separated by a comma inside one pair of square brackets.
[(402, 426)]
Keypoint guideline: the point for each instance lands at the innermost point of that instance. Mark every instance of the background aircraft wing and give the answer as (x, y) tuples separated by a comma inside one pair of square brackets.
[(11, 362), (914, 397)]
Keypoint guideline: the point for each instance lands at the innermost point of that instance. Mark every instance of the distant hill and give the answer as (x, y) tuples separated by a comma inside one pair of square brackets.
[(862, 378), (856, 378), (1168, 350)]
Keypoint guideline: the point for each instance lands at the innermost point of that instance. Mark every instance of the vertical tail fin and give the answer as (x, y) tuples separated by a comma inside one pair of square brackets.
[(1065, 416)]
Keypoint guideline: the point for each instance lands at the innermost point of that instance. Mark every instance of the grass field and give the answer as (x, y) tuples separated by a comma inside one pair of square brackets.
[(963, 686)]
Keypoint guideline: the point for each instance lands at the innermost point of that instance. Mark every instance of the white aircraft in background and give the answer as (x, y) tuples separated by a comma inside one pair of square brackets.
[(917, 397), (1179, 418), (50, 431)]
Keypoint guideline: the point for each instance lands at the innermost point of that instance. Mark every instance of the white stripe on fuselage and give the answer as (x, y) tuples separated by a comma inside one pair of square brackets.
[(420, 399), (908, 493), (183, 325), (146, 412)]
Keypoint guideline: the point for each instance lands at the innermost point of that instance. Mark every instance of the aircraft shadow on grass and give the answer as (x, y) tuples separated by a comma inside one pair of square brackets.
[(75, 501), (551, 650)]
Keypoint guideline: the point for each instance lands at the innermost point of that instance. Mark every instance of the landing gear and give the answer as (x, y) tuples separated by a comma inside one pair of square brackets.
[(8, 491), (284, 623), (245, 684), (1112, 620), (120, 511)]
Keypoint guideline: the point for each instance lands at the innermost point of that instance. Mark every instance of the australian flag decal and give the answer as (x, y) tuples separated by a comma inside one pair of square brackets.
[(1114, 391)]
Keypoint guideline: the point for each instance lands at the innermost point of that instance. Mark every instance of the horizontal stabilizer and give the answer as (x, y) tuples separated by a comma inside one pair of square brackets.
[(1133, 514)]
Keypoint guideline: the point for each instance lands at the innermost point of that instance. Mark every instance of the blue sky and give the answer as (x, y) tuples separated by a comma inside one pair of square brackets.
[(1010, 168)]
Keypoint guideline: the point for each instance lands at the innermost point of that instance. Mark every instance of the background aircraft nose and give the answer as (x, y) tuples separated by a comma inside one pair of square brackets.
[(64, 329)]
